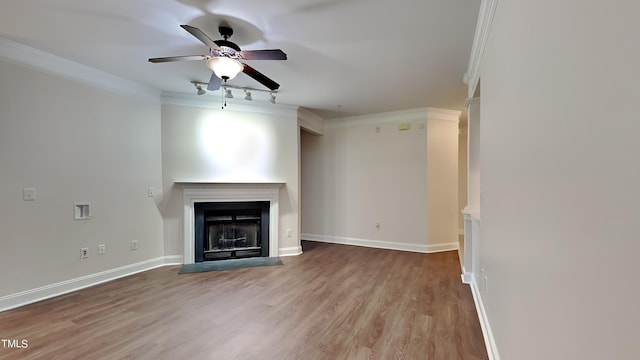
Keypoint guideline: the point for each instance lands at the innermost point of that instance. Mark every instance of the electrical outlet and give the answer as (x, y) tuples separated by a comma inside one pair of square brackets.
[(29, 194), (102, 249), (289, 233), (84, 253), (134, 245)]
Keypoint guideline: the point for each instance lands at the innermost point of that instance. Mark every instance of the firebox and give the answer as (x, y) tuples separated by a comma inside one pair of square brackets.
[(231, 230)]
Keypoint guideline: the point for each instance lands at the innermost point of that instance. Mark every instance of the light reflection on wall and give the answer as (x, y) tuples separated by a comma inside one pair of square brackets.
[(239, 149)]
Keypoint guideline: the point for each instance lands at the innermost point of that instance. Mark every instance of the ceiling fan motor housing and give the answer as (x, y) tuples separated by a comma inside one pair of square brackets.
[(225, 31)]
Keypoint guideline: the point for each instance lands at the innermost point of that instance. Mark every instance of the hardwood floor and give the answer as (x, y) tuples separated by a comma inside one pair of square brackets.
[(332, 302)]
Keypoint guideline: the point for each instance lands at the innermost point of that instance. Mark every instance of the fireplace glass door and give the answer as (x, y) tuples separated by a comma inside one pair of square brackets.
[(231, 230)]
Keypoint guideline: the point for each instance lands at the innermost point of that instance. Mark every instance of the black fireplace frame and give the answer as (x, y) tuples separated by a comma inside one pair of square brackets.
[(233, 207)]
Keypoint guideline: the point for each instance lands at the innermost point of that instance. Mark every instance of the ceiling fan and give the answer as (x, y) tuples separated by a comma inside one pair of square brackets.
[(225, 57)]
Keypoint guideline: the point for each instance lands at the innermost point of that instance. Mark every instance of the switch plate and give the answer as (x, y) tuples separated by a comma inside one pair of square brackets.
[(151, 192), (289, 233), (134, 245), (84, 253), (29, 194), (102, 249)]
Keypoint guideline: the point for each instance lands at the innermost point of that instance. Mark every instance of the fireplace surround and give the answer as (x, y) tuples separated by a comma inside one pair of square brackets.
[(212, 192)]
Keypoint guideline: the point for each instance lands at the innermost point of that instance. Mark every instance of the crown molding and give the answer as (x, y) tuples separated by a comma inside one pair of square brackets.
[(39, 60), (470, 101), (310, 121), (483, 28), (419, 114), (209, 102)]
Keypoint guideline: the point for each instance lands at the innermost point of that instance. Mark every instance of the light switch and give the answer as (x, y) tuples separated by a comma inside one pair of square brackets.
[(403, 126), (29, 194), (82, 211)]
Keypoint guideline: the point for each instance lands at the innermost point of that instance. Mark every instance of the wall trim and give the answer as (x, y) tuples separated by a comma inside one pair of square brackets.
[(466, 277), (39, 60), (483, 28), (310, 122), (195, 192), (173, 260), (290, 251), (380, 244), (419, 114), (487, 333), (471, 101), (22, 298)]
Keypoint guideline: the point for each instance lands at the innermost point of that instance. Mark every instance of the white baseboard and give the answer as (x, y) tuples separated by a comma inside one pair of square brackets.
[(380, 244), (467, 278), (290, 251), (12, 301), (489, 341), (174, 260)]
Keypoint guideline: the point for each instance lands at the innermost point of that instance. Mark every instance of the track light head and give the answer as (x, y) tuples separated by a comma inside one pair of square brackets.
[(273, 98), (247, 95), (201, 91), (228, 94)]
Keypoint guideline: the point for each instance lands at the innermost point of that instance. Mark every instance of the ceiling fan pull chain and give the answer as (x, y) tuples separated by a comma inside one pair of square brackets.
[(224, 100)]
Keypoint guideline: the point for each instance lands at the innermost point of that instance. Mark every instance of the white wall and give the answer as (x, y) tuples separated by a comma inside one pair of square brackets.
[(560, 179), (442, 181), (473, 160), (355, 176), (462, 176), (213, 145), (73, 142)]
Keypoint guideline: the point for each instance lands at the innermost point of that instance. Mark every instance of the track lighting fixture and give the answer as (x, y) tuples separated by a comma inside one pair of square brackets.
[(227, 94), (201, 91)]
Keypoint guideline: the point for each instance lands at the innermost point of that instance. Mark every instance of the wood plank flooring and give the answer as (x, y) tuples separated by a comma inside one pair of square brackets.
[(332, 302)]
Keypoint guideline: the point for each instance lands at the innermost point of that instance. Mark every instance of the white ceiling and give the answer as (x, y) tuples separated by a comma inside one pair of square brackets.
[(345, 57)]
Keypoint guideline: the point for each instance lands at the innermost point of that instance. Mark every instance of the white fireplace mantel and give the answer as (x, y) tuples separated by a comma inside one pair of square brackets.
[(194, 192)]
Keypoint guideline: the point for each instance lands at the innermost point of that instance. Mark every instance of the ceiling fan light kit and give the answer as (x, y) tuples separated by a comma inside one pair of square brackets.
[(225, 60), (225, 68)]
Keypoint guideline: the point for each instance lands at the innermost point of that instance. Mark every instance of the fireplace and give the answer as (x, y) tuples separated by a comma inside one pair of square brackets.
[(231, 230), (194, 193)]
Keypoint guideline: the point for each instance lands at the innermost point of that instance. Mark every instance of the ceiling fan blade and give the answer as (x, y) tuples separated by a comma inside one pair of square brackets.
[(273, 54), (178, 58), (214, 82), (201, 36), (259, 77)]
